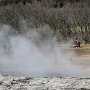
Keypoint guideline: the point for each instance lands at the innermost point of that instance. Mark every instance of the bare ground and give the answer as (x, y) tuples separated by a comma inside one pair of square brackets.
[(27, 83)]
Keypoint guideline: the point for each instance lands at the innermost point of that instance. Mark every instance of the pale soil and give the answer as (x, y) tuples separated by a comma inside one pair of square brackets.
[(82, 58), (84, 48), (85, 56)]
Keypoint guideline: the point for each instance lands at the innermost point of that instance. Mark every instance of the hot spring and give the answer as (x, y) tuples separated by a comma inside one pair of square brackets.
[(29, 55)]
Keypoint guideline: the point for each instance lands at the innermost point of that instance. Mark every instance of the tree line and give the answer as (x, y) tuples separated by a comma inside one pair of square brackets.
[(67, 18)]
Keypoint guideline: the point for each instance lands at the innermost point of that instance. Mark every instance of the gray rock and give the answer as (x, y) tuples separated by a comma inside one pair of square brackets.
[(27, 83)]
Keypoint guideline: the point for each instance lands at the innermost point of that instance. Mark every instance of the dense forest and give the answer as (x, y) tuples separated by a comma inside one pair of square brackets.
[(66, 18)]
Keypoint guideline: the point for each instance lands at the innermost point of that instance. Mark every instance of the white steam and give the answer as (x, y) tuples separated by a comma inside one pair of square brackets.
[(30, 55)]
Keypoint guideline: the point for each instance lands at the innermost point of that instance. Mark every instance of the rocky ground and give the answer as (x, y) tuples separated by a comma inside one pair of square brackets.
[(27, 83)]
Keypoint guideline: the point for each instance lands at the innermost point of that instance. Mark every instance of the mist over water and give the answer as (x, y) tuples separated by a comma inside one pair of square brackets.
[(28, 54)]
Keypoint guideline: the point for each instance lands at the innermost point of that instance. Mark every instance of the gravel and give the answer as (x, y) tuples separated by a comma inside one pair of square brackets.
[(53, 83)]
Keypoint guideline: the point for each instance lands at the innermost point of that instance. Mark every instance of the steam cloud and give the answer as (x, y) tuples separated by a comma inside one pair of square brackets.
[(29, 54)]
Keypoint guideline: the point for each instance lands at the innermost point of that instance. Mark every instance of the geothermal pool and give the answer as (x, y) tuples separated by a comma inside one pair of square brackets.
[(77, 65), (30, 56)]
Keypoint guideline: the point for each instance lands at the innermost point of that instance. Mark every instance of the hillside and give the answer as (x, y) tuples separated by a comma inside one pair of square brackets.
[(55, 3), (66, 18)]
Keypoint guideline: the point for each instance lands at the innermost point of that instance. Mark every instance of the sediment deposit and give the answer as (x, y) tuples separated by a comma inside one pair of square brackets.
[(55, 83)]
